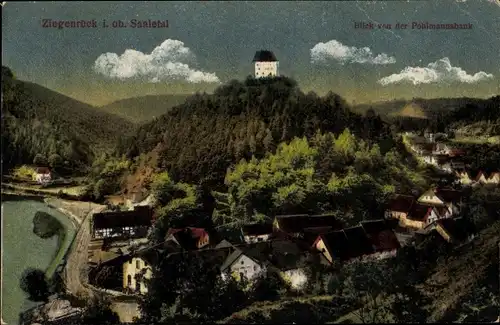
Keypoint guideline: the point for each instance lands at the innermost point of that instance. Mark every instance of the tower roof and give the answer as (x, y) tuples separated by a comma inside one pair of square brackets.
[(264, 56)]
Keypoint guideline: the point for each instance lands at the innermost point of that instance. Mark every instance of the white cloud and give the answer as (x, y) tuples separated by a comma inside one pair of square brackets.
[(347, 54), (440, 71), (167, 62)]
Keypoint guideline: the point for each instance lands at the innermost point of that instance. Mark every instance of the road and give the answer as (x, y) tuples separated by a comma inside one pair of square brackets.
[(75, 269)]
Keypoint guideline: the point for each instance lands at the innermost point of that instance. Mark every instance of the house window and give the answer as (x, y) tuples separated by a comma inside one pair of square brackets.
[(255, 267), (260, 239), (137, 264), (242, 275), (242, 262), (129, 280), (130, 262)]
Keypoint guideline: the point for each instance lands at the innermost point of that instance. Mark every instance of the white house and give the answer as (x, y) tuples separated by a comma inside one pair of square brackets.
[(241, 265), (266, 64), (42, 175), (132, 271)]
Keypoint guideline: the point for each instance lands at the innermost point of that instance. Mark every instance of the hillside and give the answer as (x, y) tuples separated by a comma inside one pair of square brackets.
[(144, 108), (198, 140), (39, 121), (431, 106), (412, 110)]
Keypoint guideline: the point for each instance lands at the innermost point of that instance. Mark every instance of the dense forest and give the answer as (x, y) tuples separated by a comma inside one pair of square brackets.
[(198, 140), (58, 130)]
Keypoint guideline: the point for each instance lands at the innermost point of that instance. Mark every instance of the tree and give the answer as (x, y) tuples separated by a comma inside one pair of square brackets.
[(39, 160), (99, 311), (35, 284), (55, 161)]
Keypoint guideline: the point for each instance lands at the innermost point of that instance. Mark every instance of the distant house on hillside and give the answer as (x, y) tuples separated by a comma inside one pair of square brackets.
[(266, 64), (42, 175)]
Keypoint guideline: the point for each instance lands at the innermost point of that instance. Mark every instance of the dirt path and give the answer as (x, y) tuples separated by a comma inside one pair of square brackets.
[(75, 270)]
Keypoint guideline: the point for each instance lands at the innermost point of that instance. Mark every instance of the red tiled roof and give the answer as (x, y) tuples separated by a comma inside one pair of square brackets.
[(401, 203)]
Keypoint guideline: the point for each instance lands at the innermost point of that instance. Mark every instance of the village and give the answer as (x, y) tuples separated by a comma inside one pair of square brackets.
[(119, 244), (116, 257)]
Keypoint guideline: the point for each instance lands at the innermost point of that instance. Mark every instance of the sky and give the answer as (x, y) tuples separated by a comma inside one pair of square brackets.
[(208, 43)]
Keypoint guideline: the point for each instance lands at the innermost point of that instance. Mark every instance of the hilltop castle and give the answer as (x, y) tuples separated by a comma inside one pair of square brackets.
[(266, 64)]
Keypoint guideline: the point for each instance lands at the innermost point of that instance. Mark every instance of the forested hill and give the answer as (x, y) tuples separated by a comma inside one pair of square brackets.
[(431, 107), (39, 121), (198, 140), (144, 108)]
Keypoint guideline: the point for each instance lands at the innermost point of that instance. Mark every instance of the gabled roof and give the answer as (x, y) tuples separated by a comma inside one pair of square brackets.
[(140, 216), (479, 174), (264, 56), (224, 244), (257, 229), (420, 212), (401, 203), (336, 243), (358, 242), (381, 235), (257, 252)]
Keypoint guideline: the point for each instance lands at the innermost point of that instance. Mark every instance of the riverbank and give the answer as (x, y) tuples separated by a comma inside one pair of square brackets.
[(23, 249)]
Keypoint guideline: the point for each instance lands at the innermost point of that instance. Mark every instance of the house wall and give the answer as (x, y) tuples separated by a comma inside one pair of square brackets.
[(203, 241), (255, 239), (43, 178), (246, 266), (495, 179), (482, 180), (407, 223), (266, 69), (297, 278), (395, 214), (130, 268), (430, 199), (320, 246)]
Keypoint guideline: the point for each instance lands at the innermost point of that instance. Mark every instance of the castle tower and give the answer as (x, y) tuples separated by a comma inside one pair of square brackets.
[(266, 64)]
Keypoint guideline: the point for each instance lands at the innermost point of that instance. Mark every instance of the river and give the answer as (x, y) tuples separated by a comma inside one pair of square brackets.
[(23, 249)]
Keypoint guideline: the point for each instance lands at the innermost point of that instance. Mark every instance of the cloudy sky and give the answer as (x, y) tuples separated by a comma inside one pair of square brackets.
[(208, 43)]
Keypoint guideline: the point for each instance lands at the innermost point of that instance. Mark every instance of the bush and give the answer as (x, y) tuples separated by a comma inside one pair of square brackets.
[(45, 225), (35, 284)]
